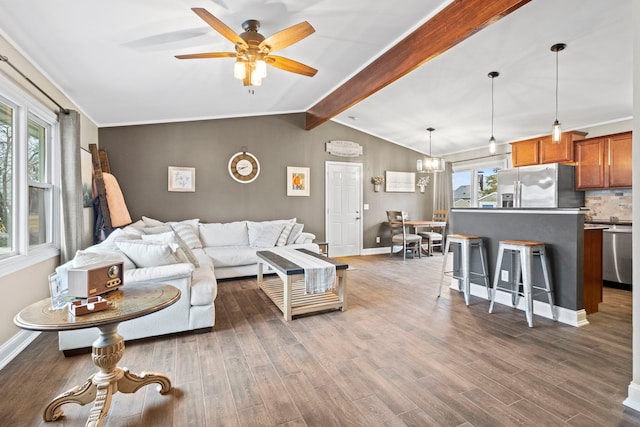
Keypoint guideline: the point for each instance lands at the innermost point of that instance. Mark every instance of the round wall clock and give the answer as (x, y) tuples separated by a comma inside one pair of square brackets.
[(244, 167)]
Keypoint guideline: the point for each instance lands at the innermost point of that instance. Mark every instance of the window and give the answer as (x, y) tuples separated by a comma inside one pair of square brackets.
[(28, 184), (475, 184), (6, 179)]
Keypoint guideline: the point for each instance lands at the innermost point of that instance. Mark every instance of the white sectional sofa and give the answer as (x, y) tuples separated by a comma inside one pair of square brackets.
[(188, 255)]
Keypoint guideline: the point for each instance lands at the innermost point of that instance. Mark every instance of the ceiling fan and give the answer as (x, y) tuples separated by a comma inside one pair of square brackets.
[(253, 50)]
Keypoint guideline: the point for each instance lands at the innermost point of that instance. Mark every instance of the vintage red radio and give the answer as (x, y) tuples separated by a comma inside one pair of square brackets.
[(95, 279)]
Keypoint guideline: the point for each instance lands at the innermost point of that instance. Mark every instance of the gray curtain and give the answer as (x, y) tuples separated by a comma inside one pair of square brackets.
[(71, 185), (443, 192)]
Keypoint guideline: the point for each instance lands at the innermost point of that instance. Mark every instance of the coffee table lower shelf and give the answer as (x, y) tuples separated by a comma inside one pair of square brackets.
[(301, 303)]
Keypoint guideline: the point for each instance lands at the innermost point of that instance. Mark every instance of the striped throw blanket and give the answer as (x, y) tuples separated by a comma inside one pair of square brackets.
[(319, 275)]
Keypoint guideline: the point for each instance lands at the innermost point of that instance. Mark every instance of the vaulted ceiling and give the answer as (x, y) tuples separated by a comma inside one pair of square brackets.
[(115, 60)]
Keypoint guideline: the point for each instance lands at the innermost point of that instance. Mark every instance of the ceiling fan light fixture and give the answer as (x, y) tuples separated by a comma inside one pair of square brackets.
[(256, 79), (555, 128), (260, 68), (239, 70)]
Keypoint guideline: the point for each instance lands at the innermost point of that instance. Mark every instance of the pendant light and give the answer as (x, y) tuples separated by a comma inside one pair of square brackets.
[(492, 140), (555, 129), (433, 164)]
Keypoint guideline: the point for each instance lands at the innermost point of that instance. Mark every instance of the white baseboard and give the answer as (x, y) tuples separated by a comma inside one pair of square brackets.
[(633, 400), (376, 251), (570, 317), (11, 348)]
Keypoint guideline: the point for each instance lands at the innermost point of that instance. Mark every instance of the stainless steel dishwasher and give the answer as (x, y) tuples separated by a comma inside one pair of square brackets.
[(616, 254)]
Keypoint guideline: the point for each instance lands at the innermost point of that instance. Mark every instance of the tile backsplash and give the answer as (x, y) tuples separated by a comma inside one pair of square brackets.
[(605, 204)]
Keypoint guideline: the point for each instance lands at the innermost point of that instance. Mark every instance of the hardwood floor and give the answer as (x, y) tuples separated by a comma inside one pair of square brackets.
[(398, 356)]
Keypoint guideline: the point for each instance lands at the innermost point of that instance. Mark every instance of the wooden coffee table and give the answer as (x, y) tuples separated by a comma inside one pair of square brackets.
[(127, 303), (287, 290)]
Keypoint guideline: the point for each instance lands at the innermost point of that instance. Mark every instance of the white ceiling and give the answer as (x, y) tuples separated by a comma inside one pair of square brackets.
[(115, 60)]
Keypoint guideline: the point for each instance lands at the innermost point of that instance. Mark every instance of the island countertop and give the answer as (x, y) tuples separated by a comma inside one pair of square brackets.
[(561, 230)]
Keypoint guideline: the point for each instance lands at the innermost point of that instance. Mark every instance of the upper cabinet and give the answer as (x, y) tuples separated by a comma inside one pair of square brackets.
[(562, 152), (525, 153), (604, 162), (541, 150)]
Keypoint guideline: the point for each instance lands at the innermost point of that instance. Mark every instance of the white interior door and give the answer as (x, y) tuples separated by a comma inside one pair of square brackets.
[(343, 223)]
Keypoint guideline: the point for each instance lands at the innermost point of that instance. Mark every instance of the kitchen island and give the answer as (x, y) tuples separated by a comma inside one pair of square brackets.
[(563, 232)]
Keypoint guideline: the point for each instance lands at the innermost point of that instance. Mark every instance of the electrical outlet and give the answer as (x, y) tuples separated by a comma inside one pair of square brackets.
[(377, 239), (504, 275)]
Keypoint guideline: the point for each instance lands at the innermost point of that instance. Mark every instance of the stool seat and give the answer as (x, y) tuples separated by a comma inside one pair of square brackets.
[(463, 236), (467, 243), (521, 243), (526, 250)]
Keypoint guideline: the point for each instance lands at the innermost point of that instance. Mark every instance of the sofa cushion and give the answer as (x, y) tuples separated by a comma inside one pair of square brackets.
[(231, 256), (224, 234), (202, 257), (264, 234), (203, 286), (148, 254)]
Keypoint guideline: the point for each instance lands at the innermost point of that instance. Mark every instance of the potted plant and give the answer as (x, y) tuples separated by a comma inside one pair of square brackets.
[(422, 182), (377, 181)]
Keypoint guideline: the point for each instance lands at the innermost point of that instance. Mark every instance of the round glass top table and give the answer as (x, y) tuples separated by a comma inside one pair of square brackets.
[(126, 303)]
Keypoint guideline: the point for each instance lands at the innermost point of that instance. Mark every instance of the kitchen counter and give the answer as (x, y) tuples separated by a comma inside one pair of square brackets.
[(608, 222), (562, 231)]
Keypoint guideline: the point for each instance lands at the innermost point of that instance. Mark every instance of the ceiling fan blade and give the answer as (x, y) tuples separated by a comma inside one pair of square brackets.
[(287, 37), (219, 26), (290, 65), (207, 55)]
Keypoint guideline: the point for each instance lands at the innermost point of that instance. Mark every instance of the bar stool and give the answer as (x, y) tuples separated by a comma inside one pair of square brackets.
[(467, 243), (524, 265)]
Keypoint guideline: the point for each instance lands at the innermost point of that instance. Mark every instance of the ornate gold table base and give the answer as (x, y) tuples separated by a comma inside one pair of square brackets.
[(108, 349)]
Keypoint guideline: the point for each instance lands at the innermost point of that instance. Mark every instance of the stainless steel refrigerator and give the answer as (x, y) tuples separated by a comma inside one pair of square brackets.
[(540, 186)]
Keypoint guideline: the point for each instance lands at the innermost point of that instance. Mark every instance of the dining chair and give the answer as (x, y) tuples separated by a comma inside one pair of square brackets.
[(435, 235), (400, 236)]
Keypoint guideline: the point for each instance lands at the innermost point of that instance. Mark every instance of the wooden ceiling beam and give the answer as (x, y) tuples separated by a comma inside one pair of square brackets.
[(456, 22)]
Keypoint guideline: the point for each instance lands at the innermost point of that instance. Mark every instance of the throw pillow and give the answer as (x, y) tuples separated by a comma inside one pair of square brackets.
[(295, 233), (157, 229), (182, 251), (83, 258), (150, 222), (264, 235), (148, 254), (188, 234), (284, 235)]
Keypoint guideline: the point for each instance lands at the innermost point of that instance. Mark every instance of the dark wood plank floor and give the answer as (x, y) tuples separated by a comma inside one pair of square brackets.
[(398, 356)]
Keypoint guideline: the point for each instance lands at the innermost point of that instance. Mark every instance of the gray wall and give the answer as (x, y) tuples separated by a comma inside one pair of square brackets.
[(139, 157)]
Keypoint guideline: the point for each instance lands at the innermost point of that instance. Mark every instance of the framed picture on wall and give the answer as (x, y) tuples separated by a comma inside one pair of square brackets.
[(298, 181), (400, 182), (86, 173), (182, 179)]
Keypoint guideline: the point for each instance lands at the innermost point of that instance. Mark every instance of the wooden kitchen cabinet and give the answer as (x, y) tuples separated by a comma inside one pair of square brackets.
[(620, 161), (592, 284), (604, 162), (590, 163), (525, 153), (562, 152), (542, 150)]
